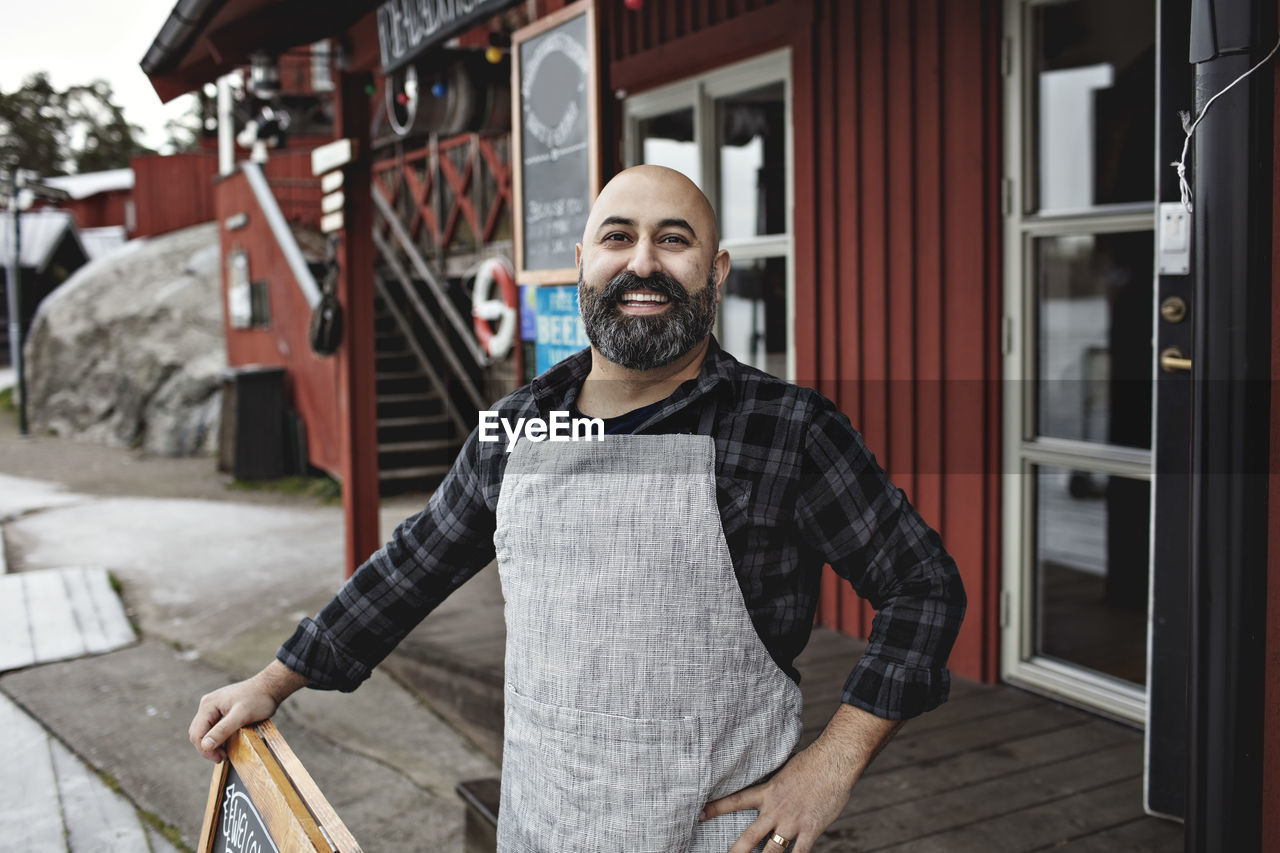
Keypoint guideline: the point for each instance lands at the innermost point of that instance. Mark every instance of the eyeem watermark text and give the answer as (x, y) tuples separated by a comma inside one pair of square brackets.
[(559, 427)]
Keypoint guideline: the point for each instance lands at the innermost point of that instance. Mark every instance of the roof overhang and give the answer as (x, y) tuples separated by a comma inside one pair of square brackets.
[(204, 39)]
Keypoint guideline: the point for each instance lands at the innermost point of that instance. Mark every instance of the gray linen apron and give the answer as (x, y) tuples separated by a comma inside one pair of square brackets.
[(637, 689)]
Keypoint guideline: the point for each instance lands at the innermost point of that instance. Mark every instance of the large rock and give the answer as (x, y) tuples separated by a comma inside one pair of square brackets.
[(129, 351)]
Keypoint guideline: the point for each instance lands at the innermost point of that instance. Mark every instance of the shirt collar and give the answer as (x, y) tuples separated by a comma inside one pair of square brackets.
[(557, 389)]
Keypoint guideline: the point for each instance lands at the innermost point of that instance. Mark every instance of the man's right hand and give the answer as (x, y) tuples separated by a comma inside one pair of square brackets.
[(228, 709)]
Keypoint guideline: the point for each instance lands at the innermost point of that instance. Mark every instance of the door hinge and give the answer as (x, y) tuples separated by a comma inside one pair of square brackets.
[(1006, 56), (1006, 196), (1006, 335), (1005, 604)]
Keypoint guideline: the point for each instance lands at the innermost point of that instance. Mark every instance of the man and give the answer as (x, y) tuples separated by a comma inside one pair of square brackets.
[(659, 583)]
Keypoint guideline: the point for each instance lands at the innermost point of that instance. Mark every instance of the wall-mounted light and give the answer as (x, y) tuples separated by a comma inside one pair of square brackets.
[(264, 75)]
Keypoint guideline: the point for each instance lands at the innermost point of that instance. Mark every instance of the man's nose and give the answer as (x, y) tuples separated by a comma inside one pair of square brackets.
[(644, 259)]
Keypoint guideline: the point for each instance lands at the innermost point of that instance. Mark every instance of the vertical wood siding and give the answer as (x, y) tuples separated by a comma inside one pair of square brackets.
[(312, 381), (896, 171), (897, 268), (173, 192)]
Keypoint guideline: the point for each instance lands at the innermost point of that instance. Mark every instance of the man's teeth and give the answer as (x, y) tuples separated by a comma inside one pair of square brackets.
[(644, 297)]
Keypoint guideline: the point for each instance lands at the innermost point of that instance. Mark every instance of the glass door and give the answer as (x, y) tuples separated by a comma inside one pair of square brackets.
[(1079, 226), (730, 132)]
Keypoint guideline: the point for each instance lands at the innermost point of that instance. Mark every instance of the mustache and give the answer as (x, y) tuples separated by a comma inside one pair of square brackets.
[(658, 282)]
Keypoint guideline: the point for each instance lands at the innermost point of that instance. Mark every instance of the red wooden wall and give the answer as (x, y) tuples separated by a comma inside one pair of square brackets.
[(99, 210), (312, 380), (172, 192), (897, 162)]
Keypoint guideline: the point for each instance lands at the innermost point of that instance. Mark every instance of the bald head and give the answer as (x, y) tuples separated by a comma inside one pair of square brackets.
[(654, 192)]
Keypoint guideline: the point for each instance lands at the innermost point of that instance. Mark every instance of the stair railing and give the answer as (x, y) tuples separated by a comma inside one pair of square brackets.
[(413, 299)]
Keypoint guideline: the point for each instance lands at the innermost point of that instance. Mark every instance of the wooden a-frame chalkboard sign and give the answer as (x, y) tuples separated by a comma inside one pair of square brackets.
[(262, 800)]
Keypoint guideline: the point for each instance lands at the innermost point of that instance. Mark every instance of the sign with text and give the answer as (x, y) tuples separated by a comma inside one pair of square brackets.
[(555, 140), (409, 28), (262, 800), (560, 331)]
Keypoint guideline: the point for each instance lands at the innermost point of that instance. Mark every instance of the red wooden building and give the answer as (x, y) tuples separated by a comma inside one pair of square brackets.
[(957, 219)]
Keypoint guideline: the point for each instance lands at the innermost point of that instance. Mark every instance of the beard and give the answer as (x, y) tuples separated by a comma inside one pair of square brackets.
[(646, 342)]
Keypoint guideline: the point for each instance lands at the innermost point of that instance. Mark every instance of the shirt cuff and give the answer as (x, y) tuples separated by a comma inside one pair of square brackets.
[(892, 691), (311, 653)]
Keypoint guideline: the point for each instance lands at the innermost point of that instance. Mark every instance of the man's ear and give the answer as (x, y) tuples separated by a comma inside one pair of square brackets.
[(721, 266), (577, 255)]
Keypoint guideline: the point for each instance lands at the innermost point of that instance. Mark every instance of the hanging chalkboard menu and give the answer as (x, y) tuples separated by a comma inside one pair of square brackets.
[(555, 140), (262, 800)]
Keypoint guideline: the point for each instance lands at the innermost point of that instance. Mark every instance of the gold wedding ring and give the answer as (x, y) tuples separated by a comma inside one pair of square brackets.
[(784, 843)]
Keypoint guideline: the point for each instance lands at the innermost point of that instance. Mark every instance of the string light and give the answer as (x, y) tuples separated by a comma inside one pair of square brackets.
[(493, 54)]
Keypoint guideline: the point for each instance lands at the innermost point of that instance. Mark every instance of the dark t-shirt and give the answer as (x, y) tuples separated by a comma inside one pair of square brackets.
[(626, 423)]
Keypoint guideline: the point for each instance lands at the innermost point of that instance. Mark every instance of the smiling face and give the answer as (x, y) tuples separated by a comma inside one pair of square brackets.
[(649, 268)]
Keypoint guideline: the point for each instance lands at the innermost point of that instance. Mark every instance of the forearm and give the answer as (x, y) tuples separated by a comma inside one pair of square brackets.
[(851, 740), (279, 682)]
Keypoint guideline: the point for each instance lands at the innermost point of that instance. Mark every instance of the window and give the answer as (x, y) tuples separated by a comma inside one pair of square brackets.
[(730, 132)]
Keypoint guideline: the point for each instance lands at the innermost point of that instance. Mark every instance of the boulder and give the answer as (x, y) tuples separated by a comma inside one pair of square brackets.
[(129, 351)]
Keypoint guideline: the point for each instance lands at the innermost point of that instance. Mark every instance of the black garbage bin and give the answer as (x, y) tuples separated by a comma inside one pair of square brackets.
[(252, 443)]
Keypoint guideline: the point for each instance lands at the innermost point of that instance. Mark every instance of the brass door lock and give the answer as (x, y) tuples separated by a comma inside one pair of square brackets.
[(1172, 360), (1173, 309)]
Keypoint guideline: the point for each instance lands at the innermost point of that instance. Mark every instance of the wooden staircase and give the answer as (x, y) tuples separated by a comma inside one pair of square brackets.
[(417, 438)]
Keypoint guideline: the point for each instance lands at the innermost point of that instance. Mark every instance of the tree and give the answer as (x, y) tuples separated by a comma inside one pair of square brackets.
[(80, 129), (31, 127)]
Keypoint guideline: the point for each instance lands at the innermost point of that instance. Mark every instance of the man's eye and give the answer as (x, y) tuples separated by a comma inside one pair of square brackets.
[(616, 236), (674, 238)]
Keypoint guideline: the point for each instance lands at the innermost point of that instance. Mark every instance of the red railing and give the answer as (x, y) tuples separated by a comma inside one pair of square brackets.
[(453, 195)]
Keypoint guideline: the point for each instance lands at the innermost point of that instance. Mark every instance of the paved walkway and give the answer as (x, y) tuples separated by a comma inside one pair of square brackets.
[(212, 585)]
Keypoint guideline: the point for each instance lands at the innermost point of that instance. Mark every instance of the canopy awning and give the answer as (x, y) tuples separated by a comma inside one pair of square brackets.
[(204, 39)]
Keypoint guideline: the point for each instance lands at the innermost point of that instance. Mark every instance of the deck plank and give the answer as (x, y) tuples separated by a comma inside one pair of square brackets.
[(1053, 824), (108, 610), (16, 650), (31, 818), (920, 818), (933, 745), (926, 779), (54, 632), (96, 817), (1140, 835)]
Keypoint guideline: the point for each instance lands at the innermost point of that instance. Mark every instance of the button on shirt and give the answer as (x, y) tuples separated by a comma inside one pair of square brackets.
[(796, 487)]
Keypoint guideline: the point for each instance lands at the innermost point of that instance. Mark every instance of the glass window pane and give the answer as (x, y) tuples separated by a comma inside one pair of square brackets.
[(1094, 371), (752, 158), (1091, 570), (667, 140), (1094, 85), (753, 314)]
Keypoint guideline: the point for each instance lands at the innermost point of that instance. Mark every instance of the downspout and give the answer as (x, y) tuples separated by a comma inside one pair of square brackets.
[(1232, 174)]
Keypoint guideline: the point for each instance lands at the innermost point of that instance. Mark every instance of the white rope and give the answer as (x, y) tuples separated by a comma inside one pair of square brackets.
[(1181, 165)]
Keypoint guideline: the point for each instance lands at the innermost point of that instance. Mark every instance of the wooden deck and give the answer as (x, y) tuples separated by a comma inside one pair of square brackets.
[(995, 769)]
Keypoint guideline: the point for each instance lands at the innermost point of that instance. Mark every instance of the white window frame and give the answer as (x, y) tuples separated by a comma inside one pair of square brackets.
[(700, 93), (1022, 451)]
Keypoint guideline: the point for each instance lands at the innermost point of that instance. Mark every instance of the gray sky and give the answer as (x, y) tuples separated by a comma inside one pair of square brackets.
[(77, 41)]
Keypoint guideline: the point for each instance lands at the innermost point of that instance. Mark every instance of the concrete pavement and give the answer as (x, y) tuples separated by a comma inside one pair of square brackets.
[(213, 584)]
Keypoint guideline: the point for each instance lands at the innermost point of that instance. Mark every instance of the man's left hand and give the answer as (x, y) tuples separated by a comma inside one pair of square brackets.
[(811, 790)]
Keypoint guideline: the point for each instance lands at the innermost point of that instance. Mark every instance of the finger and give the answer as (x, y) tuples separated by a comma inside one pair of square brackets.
[(747, 798), (206, 716), (218, 735), (758, 831), (778, 842)]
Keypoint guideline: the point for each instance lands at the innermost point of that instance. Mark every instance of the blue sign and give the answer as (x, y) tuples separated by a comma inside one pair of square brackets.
[(528, 312), (560, 331)]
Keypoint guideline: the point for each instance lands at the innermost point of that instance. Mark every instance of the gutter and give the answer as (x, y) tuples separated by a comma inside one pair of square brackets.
[(181, 29)]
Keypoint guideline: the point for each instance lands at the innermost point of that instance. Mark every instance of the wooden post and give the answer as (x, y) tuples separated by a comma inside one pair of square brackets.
[(356, 394)]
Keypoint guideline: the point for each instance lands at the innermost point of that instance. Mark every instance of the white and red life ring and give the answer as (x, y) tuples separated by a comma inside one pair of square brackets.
[(485, 309)]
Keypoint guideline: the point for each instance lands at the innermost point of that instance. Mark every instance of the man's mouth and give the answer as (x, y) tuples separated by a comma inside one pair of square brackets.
[(643, 297)]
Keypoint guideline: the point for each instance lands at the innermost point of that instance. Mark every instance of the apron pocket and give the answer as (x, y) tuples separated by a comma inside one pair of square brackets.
[(577, 780)]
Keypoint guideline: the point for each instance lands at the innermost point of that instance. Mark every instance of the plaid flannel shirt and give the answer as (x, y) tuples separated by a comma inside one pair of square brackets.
[(796, 487)]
